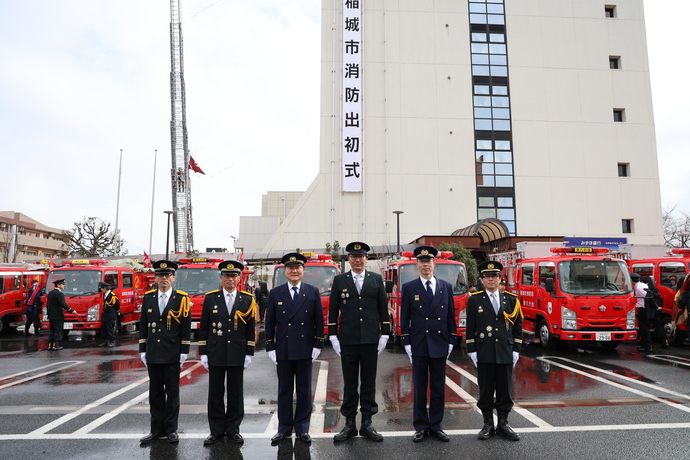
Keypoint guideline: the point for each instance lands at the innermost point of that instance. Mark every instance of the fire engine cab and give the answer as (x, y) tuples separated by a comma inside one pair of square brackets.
[(15, 283), (82, 294), (399, 271), (574, 294), (319, 271)]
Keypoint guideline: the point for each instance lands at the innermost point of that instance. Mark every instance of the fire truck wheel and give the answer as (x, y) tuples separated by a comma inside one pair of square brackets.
[(547, 340), (677, 338), (4, 325), (609, 345), (65, 332), (668, 327)]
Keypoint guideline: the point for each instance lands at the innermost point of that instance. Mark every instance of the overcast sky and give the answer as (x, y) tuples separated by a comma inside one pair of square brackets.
[(82, 79)]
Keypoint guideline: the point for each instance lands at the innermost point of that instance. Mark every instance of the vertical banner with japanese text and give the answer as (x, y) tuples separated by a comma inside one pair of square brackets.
[(352, 96)]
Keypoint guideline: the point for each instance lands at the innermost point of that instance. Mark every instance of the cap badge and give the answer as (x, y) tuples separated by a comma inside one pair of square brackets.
[(425, 252)]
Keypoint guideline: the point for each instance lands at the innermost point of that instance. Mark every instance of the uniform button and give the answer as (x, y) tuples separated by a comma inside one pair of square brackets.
[(289, 324), (420, 306), (306, 311), (439, 332), (360, 308), (159, 330), (159, 340), (439, 319), (302, 324), (427, 319), (229, 341), (302, 336), (496, 340), (286, 336), (361, 319), (283, 312)]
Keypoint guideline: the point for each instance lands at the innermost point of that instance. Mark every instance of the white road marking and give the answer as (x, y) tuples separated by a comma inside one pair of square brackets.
[(318, 416), (33, 377), (671, 359)]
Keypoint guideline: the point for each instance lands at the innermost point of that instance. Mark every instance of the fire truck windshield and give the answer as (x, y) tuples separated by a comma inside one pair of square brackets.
[(598, 277), (77, 282), (453, 273), (320, 276), (196, 281)]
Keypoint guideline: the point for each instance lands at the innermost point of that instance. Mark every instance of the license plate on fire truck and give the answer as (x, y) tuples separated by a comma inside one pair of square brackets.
[(603, 336), (68, 325)]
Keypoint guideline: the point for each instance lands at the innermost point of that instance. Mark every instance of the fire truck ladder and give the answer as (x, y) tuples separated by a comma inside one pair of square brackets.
[(181, 186)]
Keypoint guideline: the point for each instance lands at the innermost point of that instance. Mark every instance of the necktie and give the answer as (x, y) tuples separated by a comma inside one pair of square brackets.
[(429, 291), (494, 302), (358, 283), (295, 293), (161, 303), (230, 299)]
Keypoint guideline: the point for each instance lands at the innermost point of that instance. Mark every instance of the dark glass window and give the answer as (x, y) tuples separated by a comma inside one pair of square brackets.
[(627, 225), (623, 170)]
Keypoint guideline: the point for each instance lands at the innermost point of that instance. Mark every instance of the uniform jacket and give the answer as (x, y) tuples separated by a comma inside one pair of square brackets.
[(428, 326), (164, 337), (57, 305), (494, 337), (227, 337), (358, 318), (111, 306), (293, 330)]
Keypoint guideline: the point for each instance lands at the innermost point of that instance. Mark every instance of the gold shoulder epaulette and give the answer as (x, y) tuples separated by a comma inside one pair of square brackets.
[(478, 292), (508, 292), (213, 292), (248, 293), (152, 290), (181, 292)]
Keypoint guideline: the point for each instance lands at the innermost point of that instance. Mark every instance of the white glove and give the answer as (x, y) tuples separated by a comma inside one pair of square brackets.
[(336, 343), (143, 359), (204, 361), (247, 361), (473, 357), (516, 356), (382, 343), (272, 355), (408, 350), (183, 358), (450, 349), (315, 352)]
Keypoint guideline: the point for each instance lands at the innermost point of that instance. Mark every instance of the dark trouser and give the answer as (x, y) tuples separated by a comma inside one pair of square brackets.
[(659, 331), (108, 330), (32, 318), (220, 420), (55, 335), (293, 372), (164, 396), (643, 326), (354, 358), (428, 373), (494, 378)]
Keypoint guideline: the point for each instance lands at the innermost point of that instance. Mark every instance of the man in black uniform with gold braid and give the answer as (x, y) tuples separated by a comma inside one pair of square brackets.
[(111, 308), (165, 331), (494, 340), (226, 347), (358, 327)]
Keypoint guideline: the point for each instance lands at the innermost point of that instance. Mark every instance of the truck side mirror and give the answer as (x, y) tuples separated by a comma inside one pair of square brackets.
[(549, 285), (389, 286)]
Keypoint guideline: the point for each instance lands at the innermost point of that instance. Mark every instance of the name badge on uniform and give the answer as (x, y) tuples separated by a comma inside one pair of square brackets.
[(150, 311), (280, 303), (480, 310), (416, 297)]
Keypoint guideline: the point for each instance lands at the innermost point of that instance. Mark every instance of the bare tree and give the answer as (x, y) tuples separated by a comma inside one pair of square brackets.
[(92, 237), (676, 227)]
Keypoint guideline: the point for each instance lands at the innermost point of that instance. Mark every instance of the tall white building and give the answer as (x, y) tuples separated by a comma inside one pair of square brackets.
[(534, 112)]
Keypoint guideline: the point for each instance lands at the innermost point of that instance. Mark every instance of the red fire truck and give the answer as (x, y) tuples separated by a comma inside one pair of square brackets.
[(574, 294), (666, 272), (319, 271), (82, 294), (14, 286), (400, 271)]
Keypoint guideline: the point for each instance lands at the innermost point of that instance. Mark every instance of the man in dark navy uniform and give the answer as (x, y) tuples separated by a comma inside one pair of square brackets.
[(494, 340), (294, 338), (358, 327), (56, 314), (165, 331), (428, 332), (33, 307), (111, 308), (226, 347)]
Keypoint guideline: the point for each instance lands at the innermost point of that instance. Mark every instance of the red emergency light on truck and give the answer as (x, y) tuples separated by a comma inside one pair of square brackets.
[(319, 271), (15, 283), (667, 272), (82, 295), (574, 294), (398, 272)]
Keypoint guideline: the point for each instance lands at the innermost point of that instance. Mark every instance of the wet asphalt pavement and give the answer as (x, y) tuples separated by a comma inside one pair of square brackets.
[(574, 402)]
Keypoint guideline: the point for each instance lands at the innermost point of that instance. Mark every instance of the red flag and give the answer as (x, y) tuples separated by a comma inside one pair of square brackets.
[(241, 258), (51, 264), (193, 166), (147, 260)]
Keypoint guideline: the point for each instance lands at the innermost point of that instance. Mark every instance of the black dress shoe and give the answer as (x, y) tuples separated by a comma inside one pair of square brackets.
[(280, 436), (173, 438), (304, 437), (212, 440), (645, 349), (150, 437), (419, 436), (60, 348), (237, 438), (440, 435), (665, 344), (104, 344)]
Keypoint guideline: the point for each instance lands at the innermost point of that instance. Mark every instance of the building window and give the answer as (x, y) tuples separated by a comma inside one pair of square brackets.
[(623, 170), (614, 62), (619, 115), (627, 225), (610, 11)]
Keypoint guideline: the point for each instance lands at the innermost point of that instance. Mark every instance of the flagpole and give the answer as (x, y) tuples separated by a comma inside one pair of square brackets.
[(117, 210), (153, 195)]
